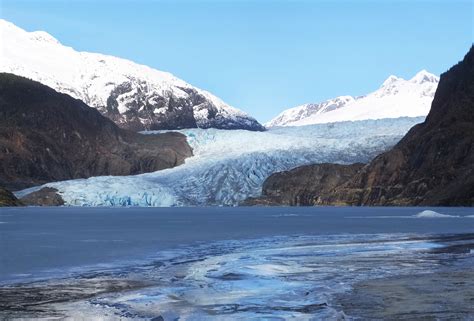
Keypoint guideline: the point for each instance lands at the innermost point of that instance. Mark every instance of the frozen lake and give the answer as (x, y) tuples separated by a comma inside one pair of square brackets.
[(218, 262)]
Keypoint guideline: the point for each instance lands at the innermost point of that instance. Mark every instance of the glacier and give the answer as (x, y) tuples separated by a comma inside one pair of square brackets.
[(229, 166)]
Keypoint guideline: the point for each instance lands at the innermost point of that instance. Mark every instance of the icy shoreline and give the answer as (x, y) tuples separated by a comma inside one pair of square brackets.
[(432, 296), (299, 277)]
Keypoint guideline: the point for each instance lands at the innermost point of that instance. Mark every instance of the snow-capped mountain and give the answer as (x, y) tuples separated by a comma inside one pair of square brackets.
[(134, 96), (396, 97), (230, 166)]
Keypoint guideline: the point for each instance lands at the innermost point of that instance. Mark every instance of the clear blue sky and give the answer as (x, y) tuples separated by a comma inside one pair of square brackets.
[(263, 56)]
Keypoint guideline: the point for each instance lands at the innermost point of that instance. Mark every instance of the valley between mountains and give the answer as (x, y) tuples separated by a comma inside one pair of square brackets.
[(86, 129)]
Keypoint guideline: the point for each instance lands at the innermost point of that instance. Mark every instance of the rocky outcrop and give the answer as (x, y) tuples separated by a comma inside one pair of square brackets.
[(301, 186), (432, 165), (145, 109), (8, 199), (46, 136), (47, 196)]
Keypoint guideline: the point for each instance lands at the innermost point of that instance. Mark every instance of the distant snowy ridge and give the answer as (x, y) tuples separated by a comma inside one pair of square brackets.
[(230, 166), (134, 96), (396, 97)]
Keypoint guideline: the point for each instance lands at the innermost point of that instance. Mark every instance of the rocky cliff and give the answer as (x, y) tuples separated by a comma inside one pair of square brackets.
[(432, 165), (8, 199), (48, 136), (302, 185)]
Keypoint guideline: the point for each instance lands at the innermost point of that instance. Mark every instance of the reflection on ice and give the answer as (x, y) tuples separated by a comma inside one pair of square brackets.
[(274, 278)]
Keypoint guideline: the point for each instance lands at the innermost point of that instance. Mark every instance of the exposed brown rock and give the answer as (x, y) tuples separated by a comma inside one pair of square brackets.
[(47, 196), (47, 136), (303, 185), (8, 199), (432, 165)]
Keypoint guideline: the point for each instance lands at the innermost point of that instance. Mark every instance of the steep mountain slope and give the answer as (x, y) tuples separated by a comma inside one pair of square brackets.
[(8, 199), (229, 166), (432, 165), (297, 187), (396, 97), (134, 96), (47, 136)]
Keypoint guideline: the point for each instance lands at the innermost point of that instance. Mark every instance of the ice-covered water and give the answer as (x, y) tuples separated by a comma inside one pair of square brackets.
[(275, 278), (230, 166), (216, 263)]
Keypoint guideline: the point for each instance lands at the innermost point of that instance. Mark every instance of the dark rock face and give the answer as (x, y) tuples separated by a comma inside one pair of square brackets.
[(140, 114), (142, 102), (432, 165), (47, 136), (47, 196), (8, 199), (303, 185)]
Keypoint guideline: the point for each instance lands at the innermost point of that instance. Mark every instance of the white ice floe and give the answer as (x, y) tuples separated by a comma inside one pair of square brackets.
[(433, 214)]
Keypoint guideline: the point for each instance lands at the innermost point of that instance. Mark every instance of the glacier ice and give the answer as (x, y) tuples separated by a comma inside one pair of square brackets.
[(230, 165)]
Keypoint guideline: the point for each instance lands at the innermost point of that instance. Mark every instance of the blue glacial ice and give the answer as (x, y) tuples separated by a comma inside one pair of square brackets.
[(230, 165)]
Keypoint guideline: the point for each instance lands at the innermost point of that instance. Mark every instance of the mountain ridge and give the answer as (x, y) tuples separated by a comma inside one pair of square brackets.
[(396, 97), (48, 136), (432, 165), (134, 96)]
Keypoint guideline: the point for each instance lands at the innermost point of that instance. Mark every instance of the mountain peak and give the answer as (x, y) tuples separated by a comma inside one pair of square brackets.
[(390, 80), (134, 96), (43, 36), (395, 98), (5, 23), (424, 76), (40, 36)]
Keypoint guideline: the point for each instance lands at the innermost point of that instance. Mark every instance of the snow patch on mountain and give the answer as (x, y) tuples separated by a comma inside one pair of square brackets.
[(230, 166), (304, 111), (134, 96), (396, 97)]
